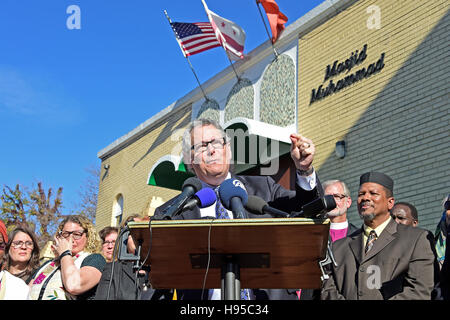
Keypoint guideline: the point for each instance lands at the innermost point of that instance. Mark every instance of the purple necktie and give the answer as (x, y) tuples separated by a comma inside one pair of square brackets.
[(221, 212)]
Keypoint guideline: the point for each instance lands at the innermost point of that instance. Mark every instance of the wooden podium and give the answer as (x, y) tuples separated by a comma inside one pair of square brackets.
[(270, 253)]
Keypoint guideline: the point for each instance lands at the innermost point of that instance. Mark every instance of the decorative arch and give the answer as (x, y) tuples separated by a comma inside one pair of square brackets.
[(169, 172), (209, 109), (277, 92), (240, 100)]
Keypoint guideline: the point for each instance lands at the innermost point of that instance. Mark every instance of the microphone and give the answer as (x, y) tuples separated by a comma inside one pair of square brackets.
[(317, 208), (258, 206), (234, 197), (202, 199), (190, 187)]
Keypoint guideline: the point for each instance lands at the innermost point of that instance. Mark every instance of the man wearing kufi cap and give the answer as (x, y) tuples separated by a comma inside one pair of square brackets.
[(382, 260)]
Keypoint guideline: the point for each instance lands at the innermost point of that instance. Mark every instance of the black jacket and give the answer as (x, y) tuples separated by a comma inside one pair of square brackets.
[(126, 285)]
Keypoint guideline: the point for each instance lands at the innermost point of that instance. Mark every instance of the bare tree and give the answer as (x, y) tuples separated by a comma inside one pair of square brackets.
[(89, 194), (15, 206), (35, 208), (46, 211)]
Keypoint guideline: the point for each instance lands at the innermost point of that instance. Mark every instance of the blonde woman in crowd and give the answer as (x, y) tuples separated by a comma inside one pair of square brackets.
[(78, 266)]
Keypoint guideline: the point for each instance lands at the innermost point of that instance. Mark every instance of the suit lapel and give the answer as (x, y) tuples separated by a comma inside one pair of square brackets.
[(388, 234), (356, 245)]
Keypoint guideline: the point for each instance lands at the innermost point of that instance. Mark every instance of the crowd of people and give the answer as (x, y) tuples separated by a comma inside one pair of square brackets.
[(388, 257)]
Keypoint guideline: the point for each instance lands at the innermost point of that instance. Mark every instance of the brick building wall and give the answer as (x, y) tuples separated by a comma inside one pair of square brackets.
[(396, 120)]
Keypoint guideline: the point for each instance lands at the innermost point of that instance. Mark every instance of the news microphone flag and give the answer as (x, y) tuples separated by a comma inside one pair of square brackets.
[(229, 34), (195, 37), (231, 188)]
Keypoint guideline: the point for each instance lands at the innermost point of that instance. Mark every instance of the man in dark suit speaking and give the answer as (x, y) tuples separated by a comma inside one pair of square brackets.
[(383, 259), (207, 152)]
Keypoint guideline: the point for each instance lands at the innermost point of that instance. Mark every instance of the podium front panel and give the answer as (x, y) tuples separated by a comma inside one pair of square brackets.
[(274, 253)]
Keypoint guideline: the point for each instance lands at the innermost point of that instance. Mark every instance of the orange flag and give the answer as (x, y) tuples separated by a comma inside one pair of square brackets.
[(276, 18)]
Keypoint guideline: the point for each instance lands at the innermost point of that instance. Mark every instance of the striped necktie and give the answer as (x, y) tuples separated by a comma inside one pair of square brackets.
[(370, 240)]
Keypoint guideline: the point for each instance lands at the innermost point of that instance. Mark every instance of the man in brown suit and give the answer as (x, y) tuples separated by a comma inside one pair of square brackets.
[(383, 259)]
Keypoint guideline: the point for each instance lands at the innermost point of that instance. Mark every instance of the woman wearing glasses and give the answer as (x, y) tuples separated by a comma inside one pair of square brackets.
[(109, 237), (78, 266), (11, 287), (22, 254)]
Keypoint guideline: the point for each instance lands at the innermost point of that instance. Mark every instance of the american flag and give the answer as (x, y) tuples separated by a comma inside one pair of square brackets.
[(195, 37)]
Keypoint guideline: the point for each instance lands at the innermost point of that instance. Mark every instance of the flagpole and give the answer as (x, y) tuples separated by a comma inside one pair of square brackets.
[(267, 30), (226, 53), (221, 42), (232, 66), (187, 58)]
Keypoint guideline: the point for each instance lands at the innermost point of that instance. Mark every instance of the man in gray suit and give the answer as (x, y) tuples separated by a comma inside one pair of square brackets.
[(383, 259)]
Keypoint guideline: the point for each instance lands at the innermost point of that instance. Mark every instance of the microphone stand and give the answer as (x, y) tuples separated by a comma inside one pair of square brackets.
[(138, 256), (329, 258)]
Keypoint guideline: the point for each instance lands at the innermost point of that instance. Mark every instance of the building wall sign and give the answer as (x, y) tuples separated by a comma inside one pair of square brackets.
[(355, 59)]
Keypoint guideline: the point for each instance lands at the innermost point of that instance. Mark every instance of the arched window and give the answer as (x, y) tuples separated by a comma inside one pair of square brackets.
[(117, 210)]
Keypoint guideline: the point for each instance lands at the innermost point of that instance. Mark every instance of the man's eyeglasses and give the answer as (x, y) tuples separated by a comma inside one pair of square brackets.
[(107, 243), (338, 196), (202, 147), (76, 234), (19, 244)]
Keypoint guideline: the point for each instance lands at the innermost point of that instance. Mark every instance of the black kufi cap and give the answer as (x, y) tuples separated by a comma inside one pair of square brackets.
[(377, 177)]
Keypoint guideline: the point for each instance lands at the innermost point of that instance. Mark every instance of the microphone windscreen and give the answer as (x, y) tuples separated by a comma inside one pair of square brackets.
[(255, 204), (319, 206), (329, 202), (206, 197), (193, 182), (231, 188)]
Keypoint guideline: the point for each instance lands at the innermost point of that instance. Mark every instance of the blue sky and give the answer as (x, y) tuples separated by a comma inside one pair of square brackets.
[(66, 94)]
